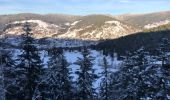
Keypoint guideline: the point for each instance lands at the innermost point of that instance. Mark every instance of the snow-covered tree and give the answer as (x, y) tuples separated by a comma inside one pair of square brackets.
[(138, 78), (57, 84), (129, 80), (86, 76), (7, 71), (29, 68), (9, 76), (104, 86)]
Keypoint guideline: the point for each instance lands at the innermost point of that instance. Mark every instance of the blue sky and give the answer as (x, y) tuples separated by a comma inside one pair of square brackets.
[(83, 7)]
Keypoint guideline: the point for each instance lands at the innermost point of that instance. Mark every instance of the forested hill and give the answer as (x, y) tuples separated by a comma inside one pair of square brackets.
[(149, 38)]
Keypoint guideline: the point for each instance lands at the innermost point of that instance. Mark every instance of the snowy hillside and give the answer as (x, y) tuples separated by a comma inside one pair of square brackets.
[(42, 29), (109, 30), (92, 27), (85, 31), (156, 24)]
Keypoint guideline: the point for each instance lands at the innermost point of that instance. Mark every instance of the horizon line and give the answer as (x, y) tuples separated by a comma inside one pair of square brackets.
[(128, 13)]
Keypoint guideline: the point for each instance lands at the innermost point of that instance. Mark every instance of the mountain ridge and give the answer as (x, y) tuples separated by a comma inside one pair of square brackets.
[(93, 27), (86, 27)]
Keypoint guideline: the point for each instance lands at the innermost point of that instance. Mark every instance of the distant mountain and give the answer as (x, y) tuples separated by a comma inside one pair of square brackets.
[(140, 20), (49, 18), (90, 28), (97, 27)]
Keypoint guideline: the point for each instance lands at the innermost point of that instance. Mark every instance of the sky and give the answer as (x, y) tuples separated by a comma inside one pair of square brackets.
[(83, 7)]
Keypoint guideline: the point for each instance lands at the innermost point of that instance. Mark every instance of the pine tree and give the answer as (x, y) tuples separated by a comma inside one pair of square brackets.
[(58, 80), (66, 83), (141, 62), (130, 82), (30, 68), (104, 87), (9, 74), (139, 78), (7, 71), (86, 76), (65, 80)]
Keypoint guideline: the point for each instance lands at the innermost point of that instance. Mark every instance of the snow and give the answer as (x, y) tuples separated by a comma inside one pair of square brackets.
[(113, 22), (74, 23), (168, 96), (15, 53), (97, 65), (73, 34), (44, 58), (72, 56), (41, 30), (39, 22), (156, 24), (148, 98), (67, 24), (106, 31)]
